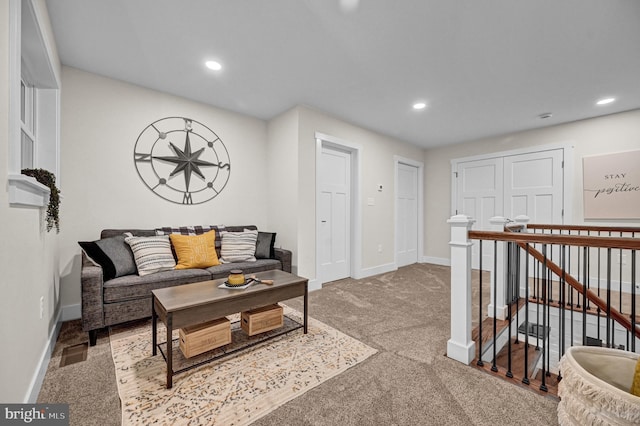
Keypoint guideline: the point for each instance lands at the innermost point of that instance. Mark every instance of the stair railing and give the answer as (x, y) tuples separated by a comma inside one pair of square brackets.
[(533, 274)]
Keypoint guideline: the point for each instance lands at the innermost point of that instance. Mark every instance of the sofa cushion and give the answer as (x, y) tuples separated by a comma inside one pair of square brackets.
[(195, 251), (265, 245), (112, 254), (152, 254), (135, 286), (239, 246)]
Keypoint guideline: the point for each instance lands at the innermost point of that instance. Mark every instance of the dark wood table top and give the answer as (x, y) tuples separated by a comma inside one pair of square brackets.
[(188, 296)]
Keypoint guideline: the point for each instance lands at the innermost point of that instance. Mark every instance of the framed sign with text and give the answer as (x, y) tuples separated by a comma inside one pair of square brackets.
[(611, 185)]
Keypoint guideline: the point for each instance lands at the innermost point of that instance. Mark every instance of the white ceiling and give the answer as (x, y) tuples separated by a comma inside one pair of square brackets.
[(484, 67)]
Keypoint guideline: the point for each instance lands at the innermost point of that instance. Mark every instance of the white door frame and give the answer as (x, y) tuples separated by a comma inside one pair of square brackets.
[(355, 150), (567, 172), (420, 166)]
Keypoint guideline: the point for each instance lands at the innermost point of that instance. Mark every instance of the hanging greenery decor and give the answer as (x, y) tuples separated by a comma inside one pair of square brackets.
[(48, 179)]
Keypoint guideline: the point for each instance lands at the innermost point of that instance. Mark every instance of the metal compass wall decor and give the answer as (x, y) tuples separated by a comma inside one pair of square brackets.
[(182, 160)]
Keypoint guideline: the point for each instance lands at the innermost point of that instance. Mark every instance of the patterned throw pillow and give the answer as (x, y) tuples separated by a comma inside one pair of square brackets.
[(195, 251), (187, 230), (152, 254), (239, 246)]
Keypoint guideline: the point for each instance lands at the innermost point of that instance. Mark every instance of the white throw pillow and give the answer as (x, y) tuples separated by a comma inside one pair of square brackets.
[(152, 254), (238, 246)]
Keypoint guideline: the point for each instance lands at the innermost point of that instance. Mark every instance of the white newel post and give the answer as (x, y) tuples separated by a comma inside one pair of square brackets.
[(497, 224), (460, 346), (522, 220)]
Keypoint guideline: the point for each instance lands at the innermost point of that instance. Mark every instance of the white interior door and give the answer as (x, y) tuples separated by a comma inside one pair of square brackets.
[(528, 184), (334, 214), (407, 215), (533, 186), (480, 195)]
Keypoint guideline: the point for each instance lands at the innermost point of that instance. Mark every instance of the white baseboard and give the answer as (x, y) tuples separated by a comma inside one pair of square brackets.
[(615, 285), (38, 377), (436, 260), (71, 312), (314, 285), (376, 270)]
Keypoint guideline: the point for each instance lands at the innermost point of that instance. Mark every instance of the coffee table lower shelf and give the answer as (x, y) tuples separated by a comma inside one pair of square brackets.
[(240, 341)]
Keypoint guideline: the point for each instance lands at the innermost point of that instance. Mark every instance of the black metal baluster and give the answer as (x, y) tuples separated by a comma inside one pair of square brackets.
[(587, 273), (517, 290), (584, 298), (633, 301), (538, 276), (570, 303), (494, 368), (561, 309), (598, 310), (480, 363), (571, 291), (578, 256), (509, 301), (550, 300), (543, 385), (525, 379), (620, 280), (609, 341)]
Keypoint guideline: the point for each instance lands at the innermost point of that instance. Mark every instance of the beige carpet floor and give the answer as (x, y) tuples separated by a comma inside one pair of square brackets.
[(404, 315)]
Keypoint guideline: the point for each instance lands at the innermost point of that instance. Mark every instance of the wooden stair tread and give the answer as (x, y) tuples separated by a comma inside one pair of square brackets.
[(517, 356), (487, 327)]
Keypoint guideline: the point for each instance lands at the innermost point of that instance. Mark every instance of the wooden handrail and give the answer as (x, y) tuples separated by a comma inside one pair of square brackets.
[(593, 228), (559, 239)]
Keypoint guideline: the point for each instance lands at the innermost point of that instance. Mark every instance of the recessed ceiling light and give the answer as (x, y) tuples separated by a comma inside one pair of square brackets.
[(419, 105), (213, 65), (605, 101)]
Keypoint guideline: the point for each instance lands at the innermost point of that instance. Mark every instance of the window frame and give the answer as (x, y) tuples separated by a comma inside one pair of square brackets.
[(28, 130), (34, 88)]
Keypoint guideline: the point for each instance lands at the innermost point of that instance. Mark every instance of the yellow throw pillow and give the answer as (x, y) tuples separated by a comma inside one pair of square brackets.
[(635, 386), (195, 251)]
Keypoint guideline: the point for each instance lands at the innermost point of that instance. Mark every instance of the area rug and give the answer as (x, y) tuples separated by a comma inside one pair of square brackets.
[(235, 390)]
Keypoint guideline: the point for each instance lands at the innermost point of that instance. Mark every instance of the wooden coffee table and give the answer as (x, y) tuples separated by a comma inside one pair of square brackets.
[(190, 304)]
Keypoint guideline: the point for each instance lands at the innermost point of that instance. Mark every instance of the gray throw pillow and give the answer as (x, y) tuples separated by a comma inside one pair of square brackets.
[(265, 244), (113, 254)]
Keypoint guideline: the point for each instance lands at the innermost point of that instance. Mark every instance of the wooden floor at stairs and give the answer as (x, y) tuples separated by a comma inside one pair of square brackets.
[(517, 358)]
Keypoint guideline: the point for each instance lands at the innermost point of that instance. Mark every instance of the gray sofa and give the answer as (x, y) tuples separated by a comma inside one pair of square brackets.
[(127, 298)]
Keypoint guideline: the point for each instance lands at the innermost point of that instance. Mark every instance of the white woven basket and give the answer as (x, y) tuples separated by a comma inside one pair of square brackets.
[(594, 389)]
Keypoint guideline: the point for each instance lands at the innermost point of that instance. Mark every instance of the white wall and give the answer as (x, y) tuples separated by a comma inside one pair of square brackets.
[(28, 259), (272, 182), (607, 134), (377, 222), (101, 120), (280, 169)]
